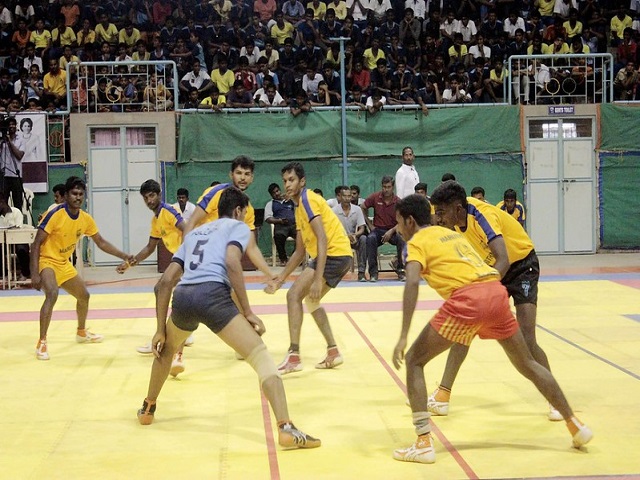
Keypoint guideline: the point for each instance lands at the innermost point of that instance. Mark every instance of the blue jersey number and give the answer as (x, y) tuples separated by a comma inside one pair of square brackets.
[(198, 252)]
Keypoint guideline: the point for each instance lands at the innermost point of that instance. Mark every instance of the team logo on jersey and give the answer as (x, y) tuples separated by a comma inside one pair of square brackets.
[(78, 233)]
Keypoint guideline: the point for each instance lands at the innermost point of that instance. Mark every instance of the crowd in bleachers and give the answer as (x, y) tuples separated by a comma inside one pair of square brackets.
[(282, 53)]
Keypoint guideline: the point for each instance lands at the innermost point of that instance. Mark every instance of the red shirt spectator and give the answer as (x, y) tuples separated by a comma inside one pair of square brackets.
[(161, 10), (265, 8)]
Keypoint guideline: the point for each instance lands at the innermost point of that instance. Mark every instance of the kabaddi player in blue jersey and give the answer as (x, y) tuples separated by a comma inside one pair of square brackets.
[(206, 267)]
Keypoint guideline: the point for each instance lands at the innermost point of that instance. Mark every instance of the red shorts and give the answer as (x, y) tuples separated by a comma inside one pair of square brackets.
[(477, 309)]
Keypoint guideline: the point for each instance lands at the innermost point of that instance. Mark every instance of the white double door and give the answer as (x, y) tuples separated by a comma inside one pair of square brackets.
[(561, 188), (120, 160)]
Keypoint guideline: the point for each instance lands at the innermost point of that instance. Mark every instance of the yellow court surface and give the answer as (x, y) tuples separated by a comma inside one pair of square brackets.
[(74, 416)]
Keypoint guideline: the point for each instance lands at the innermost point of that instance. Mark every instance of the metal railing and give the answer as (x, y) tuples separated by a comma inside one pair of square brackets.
[(122, 86), (558, 79)]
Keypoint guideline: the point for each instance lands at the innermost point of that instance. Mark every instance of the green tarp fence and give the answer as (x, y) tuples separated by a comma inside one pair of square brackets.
[(447, 131), (618, 181)]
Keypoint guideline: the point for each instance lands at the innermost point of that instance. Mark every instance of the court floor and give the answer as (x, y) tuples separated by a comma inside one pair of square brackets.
[(73, 417)]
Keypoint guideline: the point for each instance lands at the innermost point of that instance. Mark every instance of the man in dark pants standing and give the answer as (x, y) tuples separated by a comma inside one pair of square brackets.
[(11, 153), (281, 214)]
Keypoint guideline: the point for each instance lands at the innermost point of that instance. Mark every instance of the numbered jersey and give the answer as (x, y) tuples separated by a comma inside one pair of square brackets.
[(447, 259), (203, 253)]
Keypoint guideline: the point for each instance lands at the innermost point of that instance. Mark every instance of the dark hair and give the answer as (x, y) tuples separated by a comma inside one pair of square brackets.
[(244, 162), (476, 190), (415, 206), (356, 188), (338, 189), (74, 182), (58, 188), (297, 168), (26, 120), (420, 186), (231, 198), (449, 192), (183, 191), (448, 176), (150, 186), (272, 188), (510, 194), (214, 183), (318, 191), (388, 179)]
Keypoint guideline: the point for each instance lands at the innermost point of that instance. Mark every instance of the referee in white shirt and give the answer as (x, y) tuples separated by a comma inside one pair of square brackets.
[(407, 177)]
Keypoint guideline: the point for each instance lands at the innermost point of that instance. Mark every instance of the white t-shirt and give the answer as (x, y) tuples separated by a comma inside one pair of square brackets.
[(11, 219), (406, 179), (189, 208)]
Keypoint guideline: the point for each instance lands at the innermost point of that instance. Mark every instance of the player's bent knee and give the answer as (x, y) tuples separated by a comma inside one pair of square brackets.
[(312, 305), (262, 363)]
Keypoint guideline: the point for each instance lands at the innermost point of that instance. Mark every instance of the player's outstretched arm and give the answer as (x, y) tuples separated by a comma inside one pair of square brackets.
[(147, 250), (107, 247), (294, 260)]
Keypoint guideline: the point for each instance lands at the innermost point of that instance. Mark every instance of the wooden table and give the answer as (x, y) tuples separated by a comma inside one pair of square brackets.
[(11, 237)]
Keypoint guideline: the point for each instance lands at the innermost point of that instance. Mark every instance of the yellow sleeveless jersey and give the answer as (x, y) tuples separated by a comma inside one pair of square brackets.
[(448, 260), (312, 205)]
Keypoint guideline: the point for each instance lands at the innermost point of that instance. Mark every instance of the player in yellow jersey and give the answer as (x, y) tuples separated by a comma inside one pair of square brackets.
[(206, 210), (55, 242), (512, 206), (166, 225), (322, 236), (503, 244), (476, 303)]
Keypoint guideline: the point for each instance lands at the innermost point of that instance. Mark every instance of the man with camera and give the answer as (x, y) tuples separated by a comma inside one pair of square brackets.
[(11, 153)]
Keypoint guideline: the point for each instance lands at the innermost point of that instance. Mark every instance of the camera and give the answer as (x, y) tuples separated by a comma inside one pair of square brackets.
[(4, 125)]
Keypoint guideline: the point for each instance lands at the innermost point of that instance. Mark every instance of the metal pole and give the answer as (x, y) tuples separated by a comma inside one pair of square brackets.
[(343, 111)]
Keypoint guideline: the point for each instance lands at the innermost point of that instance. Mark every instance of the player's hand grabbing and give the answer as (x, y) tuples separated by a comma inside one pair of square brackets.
[(398, 353), (157, 343), (256, 323), (273, 285)]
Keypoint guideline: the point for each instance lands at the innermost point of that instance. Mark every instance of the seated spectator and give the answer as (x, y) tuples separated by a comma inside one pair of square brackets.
[(257, 31), (197, 78), (359, 76), (398, 97), (263, 71), (192, 101), (355, 196), (467, 28), (13, 63), (34, 84), (41, 38), (381, 77), (106, 31), (243, 12), (355, 98), (55, 84), (354, 224), (455, 94), (512, 23), (67, 58), (215, 101), (618, 23), (266, 9), (21, 36), (271, 54), (410, 26), (271, 98), (246, 76), (292, 12), (496, 82), (626, 82), (239, 97), (222, 77), (311, 80), (372, 55), (300, 103), (86, 34), (383, 228), (156, 96), (251, 53), (223, 9), (129, 35), (375, 102)]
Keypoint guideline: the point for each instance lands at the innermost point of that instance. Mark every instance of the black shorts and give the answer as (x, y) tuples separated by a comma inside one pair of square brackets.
[(521, 280), (208, 303), (334, 269)]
